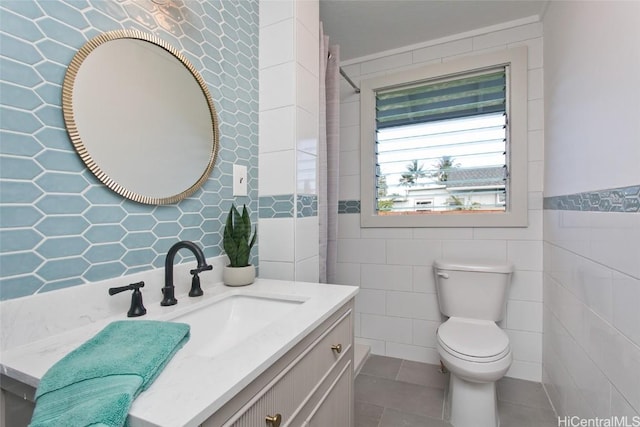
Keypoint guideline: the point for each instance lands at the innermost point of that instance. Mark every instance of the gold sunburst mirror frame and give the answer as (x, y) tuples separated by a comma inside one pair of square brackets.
[(140, 117)]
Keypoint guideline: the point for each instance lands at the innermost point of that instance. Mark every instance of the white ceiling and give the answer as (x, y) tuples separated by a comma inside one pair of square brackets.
[(365, 27)]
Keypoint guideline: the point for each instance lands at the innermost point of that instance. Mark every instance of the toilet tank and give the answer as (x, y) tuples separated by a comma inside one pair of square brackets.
[(472, 289)]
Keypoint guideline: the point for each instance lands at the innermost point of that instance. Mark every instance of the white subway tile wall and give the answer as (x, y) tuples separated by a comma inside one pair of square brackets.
[(277, 84), (592, 311), (277, 173), (276, 44), (289, 131), (306, 131), (591, 281), (277, 129), (307, 270), (306, 238), (281, 270), (277, 239)]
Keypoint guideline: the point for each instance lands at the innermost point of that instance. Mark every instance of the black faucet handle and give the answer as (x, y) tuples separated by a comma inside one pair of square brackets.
[(196, 290), (137, 307), (132, 286), (200, 269)]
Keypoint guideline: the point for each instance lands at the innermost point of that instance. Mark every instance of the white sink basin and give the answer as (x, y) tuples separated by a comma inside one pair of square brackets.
[(218, 326)]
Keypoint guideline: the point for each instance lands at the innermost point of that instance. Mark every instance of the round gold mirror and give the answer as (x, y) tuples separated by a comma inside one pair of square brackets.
[(140, 116)]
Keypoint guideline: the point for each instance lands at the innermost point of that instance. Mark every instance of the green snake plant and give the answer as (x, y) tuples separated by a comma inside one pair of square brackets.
[(237, 240)]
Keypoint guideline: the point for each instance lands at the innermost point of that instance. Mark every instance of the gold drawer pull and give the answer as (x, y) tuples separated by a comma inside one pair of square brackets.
[(274, 421), (337, 348)]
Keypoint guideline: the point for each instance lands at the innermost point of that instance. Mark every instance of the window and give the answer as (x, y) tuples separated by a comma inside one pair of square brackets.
[(424, 205), (446, 145)]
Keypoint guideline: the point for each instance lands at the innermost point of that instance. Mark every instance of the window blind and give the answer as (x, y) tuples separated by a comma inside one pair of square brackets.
[(462, 97), (442, 146)]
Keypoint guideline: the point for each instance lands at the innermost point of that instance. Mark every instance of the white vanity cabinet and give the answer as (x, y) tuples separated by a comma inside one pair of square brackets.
[(311, 385), (296, 368)]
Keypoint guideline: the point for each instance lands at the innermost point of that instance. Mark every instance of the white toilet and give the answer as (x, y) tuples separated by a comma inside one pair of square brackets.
[(470, 344)]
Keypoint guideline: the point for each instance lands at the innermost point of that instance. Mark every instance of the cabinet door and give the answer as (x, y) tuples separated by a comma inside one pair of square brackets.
[(291, 389), (336, 406)]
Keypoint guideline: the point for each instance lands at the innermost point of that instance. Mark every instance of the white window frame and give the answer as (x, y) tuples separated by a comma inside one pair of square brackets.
[(516, 213), (428, 205)]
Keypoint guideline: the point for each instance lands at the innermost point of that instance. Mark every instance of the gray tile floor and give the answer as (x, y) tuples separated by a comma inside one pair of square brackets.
[(393, 392)]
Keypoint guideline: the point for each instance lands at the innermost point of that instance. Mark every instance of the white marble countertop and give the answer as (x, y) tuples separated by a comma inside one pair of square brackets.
[(192, 387)]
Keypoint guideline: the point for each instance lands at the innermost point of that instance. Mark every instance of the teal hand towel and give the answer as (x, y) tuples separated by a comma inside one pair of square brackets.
[(96, 383)]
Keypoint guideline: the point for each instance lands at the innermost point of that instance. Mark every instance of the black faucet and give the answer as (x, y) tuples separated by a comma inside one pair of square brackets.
[(169, 290), (137, 307)]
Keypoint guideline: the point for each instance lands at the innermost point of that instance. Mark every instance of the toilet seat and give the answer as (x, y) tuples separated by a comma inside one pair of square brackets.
[(473, 340)]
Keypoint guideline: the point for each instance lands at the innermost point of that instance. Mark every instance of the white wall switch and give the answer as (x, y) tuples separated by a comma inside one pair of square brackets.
[(239, 180)]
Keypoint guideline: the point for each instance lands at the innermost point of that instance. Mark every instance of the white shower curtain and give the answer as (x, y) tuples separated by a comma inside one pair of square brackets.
[(328, 157)]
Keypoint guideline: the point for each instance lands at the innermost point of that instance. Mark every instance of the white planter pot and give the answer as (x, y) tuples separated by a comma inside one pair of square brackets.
[(238, 276)]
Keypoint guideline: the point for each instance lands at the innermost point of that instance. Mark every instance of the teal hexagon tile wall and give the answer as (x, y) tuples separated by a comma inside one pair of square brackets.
[(18, 216), (20, 191), (59, 247), (59, 226), (348, 206), (307, 205), (52, 204), (624, 199), (19, 239), (277, 206), (104, 233)]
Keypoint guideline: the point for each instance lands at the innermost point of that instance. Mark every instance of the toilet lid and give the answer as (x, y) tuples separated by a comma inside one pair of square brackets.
[(473, 339)]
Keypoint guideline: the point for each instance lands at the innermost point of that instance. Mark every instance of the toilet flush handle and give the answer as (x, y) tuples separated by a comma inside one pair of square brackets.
[(443, 275)]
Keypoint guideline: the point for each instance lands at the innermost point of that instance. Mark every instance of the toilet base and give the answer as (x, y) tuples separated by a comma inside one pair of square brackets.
[(472, 404)]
